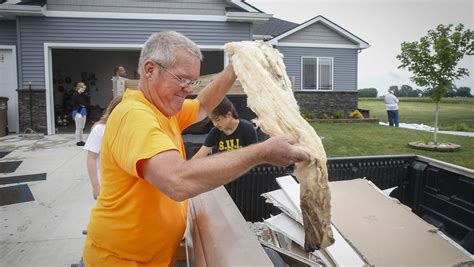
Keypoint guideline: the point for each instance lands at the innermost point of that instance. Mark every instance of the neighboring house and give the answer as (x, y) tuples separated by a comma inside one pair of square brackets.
[(53, 44), (50, 45), (321, 60)]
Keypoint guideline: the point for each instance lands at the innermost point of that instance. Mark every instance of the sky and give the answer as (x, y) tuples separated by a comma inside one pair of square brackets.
[(384, 24)]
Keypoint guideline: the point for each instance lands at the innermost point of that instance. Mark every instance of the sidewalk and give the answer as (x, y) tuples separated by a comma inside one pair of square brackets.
[(48, 230), (427, 128)]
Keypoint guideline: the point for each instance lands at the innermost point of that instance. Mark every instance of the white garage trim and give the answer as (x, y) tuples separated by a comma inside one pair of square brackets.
[(138, 16), (15, 72)]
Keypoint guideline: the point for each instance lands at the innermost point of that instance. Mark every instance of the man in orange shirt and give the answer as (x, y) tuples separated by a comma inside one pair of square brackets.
[(140, 214)]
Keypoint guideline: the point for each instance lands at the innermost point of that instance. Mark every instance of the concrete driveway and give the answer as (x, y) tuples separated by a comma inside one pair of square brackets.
[(48, 230)]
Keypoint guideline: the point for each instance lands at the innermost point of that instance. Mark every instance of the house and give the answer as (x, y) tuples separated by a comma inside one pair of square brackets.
[(52, 44), (321, 60), (47, 46)]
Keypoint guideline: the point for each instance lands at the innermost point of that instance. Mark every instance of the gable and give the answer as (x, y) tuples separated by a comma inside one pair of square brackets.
[(317, 33)]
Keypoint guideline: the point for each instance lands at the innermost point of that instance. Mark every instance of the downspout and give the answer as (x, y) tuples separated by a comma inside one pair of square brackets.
[(18, 53)]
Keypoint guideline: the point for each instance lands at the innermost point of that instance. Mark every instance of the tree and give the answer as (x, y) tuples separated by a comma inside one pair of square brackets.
[(451, 91), (418, 93), (406, 91), (368, 92), (394, 88), (464, 92), (434, 58)]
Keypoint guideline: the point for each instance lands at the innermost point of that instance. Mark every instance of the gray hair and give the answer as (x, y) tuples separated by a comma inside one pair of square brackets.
[(161, 47)]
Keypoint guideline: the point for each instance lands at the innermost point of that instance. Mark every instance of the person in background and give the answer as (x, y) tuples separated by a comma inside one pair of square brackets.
[(79, 111), (93, 144), (118, 81), (120, 71), (391, 105), (229, 131), (140, 217)]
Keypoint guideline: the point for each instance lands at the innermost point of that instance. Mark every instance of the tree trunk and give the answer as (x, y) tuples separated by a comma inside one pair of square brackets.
[(435, 138)]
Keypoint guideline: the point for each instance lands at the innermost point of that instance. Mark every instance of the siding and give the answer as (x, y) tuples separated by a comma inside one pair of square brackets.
[(7, 32), (317, 33), (188, 7), (345, 65), (35, 31)]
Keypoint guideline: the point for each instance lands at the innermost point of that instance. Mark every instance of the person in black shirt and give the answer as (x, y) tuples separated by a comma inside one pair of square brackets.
[(229, 131), (79, 111)]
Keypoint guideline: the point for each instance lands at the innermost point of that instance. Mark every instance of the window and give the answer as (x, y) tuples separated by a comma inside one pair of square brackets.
[(317, 73)]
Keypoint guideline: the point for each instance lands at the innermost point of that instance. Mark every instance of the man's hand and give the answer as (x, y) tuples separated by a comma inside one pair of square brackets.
[(95, 191), (281, 151)]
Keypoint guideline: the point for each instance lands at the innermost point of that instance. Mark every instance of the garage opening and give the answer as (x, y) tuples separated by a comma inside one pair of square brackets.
[(95, 68)]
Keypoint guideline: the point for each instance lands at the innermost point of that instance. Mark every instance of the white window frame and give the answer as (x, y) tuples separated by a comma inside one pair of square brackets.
[(317, 73)]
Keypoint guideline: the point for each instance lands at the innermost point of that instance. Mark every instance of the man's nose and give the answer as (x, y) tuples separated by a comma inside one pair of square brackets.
[(188, 89)]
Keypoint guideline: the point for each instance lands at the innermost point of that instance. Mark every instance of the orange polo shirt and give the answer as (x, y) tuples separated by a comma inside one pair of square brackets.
[(134, 223)]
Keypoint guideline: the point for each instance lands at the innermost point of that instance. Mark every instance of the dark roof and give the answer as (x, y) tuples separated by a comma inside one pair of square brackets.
[(32, 2), (274, 27), (252, 6), (26, 2)]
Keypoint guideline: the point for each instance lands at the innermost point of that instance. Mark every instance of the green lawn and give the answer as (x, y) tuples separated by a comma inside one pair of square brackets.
[(415, 110), (364, 139)]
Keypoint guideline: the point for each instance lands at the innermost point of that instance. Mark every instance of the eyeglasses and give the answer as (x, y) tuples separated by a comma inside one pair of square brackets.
[(183, 82)]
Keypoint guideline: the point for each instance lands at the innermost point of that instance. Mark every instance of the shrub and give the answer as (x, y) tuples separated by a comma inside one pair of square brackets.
[(356, 114), (308, 115), (337, 115), (462, 127)]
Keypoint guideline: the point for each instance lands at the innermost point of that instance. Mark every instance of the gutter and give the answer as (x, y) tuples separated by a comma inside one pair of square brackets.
[(255, 18), (11, 11), (262, 37)]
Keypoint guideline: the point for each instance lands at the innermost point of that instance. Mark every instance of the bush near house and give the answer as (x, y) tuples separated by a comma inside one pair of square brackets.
[(356, 115), (308, 115), (337, 115)]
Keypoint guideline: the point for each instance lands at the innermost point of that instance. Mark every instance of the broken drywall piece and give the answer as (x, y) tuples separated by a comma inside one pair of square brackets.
[(291, 189), (279, 199), (384, 232), (342, 253), (287, 226)]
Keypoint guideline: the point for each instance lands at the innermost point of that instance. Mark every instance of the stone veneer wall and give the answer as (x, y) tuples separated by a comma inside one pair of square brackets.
[(38, 104), (327, 102)]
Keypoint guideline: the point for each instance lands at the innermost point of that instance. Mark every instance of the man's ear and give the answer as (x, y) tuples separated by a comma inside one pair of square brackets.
[(149, 67)]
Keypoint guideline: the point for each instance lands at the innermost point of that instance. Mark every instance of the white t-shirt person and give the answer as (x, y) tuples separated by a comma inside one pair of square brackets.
[(92, 146), (391, 105)]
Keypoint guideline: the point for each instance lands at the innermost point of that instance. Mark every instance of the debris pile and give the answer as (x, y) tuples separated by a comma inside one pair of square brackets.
[(285, 232)]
